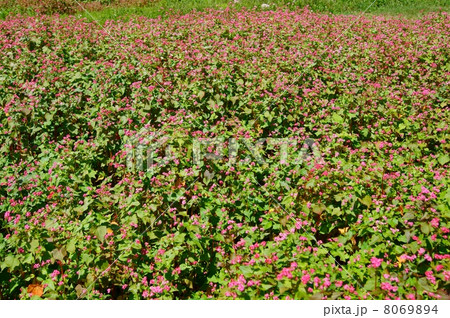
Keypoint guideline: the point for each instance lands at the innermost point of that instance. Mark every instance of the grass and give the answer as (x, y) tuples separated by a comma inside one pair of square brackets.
[(164, 8)]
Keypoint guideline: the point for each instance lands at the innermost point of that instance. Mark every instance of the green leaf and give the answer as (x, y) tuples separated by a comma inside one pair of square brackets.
[(425, 228), (268, 115), (443, 159), (201, 94), (101, 232), (87, 259), (11, 262), (34, 245), (367, 201), (370, 284), (59, 253), (319, 208), (79, 289), (71, 247), (246, 270), (423, 283), (48, 116), (375, 239), (336, 211), (247, 110), (337, 119), (266, 286)]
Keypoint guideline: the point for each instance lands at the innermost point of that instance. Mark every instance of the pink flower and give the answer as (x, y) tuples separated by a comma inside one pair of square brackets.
[(425, 190), (156, 289), (54, 274), (430, 277), (446, 275), (435, 222), (388, 287), (376, 262), (285, 272), (305, 279)]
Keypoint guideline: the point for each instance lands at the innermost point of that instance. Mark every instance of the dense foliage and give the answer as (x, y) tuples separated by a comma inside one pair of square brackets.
[(369, 220), (102, 10), (67, 6)]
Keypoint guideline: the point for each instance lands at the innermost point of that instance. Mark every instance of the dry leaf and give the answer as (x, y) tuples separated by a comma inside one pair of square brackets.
[(35, 290), (400, 260), (344, 230), (179, 183)]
